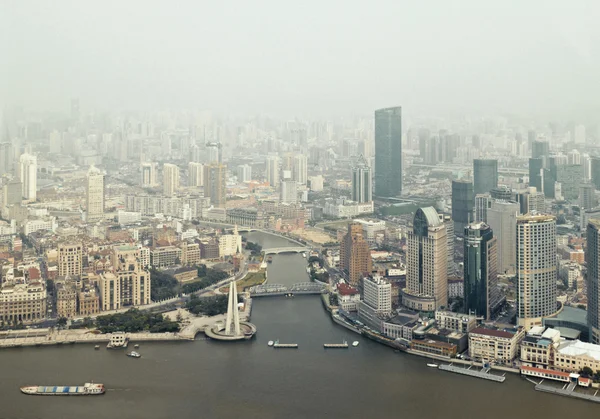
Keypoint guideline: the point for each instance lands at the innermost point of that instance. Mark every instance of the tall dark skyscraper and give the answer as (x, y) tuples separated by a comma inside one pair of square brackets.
[(596, 172), (485, 175), (388, 152), (463, 204), (535, 173), (540, 149), (592, 258), (481, 294)]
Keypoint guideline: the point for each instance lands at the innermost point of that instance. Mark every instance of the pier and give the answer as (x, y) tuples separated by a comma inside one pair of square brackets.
[(568, 391), (286, 345), (336, 345), (483, 373)]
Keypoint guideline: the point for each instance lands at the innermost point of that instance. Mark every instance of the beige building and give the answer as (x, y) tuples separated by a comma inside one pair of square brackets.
[(88, 302), (128, 284), (22, 303), (427, 263), (95, 195), (66, 300), (170, 179), (230, 244), (490, 345), (165, 256), (70, 257), (195, 174), (539, 347), (215, 178), (190, 253), (536, 269), (458, 322)]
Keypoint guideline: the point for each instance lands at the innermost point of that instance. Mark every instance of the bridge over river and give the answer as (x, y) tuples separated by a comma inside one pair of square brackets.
[(274, 290), (289, 249)]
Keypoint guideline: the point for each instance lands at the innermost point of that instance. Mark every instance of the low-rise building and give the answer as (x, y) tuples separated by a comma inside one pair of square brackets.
[(162, 257), (348, 297), (434, 347), (539, 346), (574, 355), (458, 322), (66, 300), (88, 302), (491, 345), (22, 302)]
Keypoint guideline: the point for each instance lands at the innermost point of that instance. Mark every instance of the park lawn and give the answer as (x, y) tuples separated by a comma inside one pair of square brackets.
[(250, 280)]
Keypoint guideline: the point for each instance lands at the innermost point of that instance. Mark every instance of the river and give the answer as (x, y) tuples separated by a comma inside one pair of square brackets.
[(207, 379)]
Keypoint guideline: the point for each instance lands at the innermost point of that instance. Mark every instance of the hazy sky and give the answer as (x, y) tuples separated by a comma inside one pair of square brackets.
[(308, 57)]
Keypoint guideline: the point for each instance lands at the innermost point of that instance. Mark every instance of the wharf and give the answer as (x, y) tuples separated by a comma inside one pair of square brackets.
[(483, 373), (336, 345), (569, 391), (286, 345)]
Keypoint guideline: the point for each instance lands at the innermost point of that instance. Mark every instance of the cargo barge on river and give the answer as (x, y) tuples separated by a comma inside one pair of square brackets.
[(88, 389)]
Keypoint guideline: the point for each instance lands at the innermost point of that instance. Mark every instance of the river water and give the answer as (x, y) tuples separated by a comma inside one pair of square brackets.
[(206, 379)]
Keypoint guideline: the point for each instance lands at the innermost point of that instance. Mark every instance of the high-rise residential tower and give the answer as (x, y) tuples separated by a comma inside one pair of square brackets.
[(485, 175), (95, 194), (272, 171), (426, 263), (388, 152), (592, 259), (288, 192), (355, 257), (215, 184), (362, 182), (244, 173), (587, 196), (28, 176), (170, 179), (300, 169), (463, 203), (536, 269), (148, 177), (70, 259), (195, 174), (481, 293)]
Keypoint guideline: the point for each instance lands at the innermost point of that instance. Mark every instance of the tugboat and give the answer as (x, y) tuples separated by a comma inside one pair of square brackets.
[(88, 389), (134, 354)]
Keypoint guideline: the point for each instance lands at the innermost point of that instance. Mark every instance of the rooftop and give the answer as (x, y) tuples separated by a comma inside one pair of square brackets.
[(579, 348), (492, 332)]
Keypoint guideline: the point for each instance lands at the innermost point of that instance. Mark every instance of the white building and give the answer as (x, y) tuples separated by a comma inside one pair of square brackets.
[(244, 173), (300, 169), (32, 226), (272, 170), (128, 217), (316, 183), (230, 244), (170, 179), (148, 177), (371, 228), (345, 209), (377, 302), (95, 194), (288, 193), (195, 174), (28, 176)]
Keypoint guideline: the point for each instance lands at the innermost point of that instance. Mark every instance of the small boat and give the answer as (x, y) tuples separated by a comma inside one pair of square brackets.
[(134, 354), (304, 255), (355, 343), (97, 347), (137, 345), (269, 259), (270, 343), (432, 365)]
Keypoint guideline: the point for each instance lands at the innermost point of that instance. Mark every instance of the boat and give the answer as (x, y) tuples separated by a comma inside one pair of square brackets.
[(88, 389), (432, 365), (269, 259), (134, 354), (270, 343), (304, 255), (137, 345), (97, 347), (355, 343)]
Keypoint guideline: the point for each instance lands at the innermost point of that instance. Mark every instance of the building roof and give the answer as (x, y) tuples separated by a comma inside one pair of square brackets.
[(345, 289), (579, 348), (492, 332), (546, 371)]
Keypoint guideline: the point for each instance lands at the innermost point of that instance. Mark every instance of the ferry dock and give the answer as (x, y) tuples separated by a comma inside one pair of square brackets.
[(472, 372), (568, 390), (336, 345), (286, 345)]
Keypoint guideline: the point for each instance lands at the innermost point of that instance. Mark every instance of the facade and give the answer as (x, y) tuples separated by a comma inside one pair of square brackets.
[(482, 204), (230, 244), (66, 300), (190, 253), (247, 217), (348, 297), (463, 203), (388, 151), (288, 192), (95, 195), (371, 228), (244, 173), (362, 182), (587, 196), (498, 346), (536, 269), (592, 259), (88, 302), (148, 175), (457, 322), (128, 217), (215, 187), (574, 355), (502, 219), (355, 257), (22, 303), (162, 257), (128, 284), (377, 302), (173, 206), (427, 263), (170, 179), (195, 174), (485, 175), (434, 347), (28, 176), (70, 259), (13, 192), (481, 293)]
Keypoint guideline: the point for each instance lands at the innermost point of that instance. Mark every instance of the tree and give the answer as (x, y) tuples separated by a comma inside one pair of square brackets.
[(586, 372), (62, 322)]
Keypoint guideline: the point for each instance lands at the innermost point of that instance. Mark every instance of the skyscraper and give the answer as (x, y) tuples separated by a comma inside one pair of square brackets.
[(95, 194), (485, 175), (362, 182), (244, 173), (195, 174), (536, 269), (300, 169), (388, 152), (13, 192), (502, 219), (148, 178), (426, 263), (595, 171), (272, 171), (355, 257), (536, 167), (70, 259), (587, 196), (540, 150), (592, 259), (482, 203), (481, 293), (463, 203), (215, 184), (170, 179), (28, 176)]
